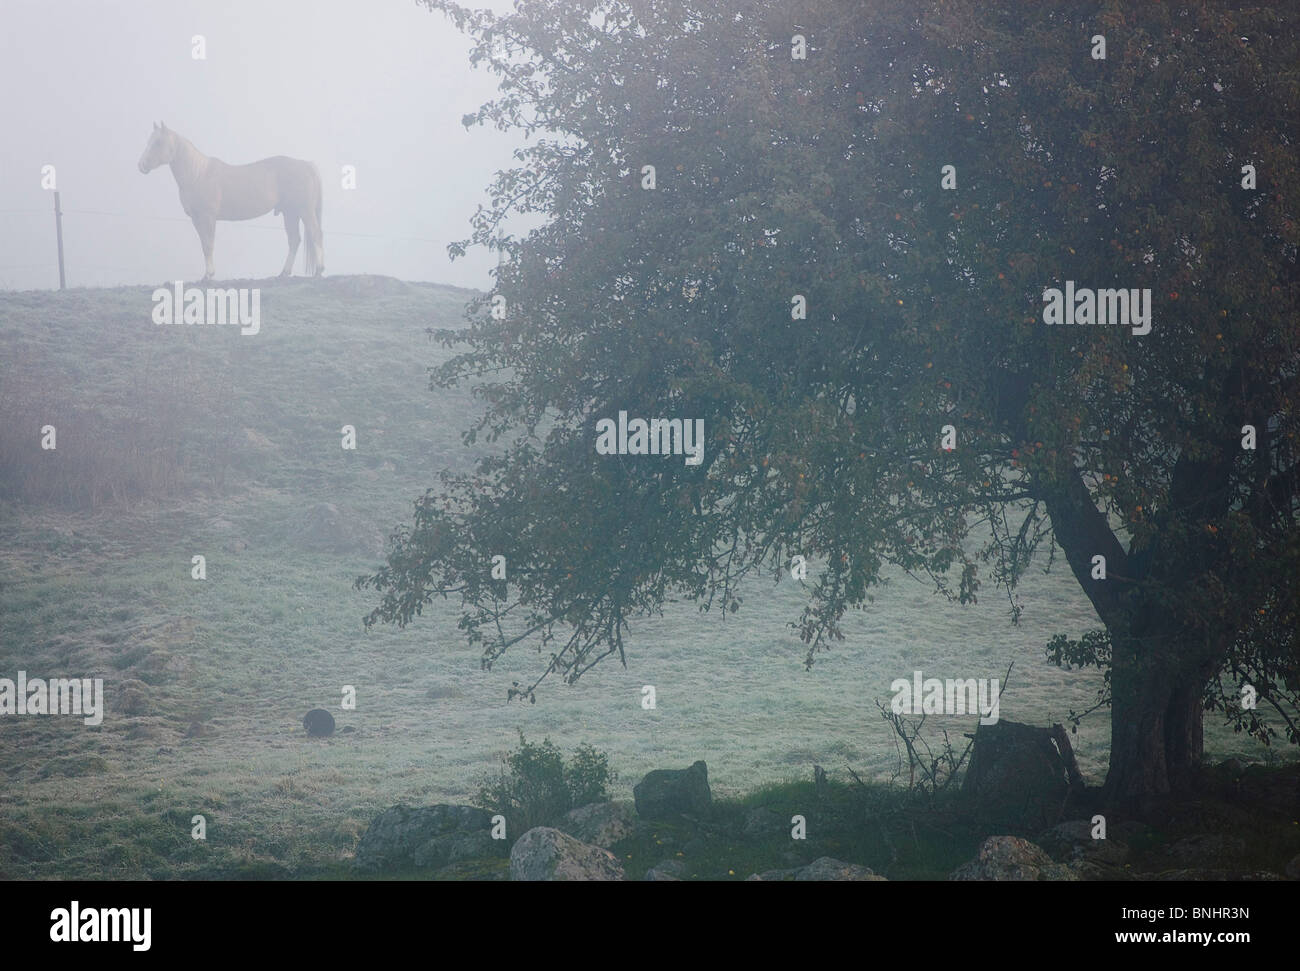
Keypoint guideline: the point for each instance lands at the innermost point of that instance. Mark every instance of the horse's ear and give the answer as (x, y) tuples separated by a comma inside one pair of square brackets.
[(163, 125)]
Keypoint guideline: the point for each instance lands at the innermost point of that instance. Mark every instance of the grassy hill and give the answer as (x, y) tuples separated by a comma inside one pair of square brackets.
[(176, 441)]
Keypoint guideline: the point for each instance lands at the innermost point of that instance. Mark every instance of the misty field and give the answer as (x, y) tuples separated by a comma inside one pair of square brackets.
[(176, 441)]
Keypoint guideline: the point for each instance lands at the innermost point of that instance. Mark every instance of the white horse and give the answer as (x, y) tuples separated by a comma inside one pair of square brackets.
[(211, 190)]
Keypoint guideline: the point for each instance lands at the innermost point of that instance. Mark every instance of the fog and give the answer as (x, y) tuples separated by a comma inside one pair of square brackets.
[(380, 85)]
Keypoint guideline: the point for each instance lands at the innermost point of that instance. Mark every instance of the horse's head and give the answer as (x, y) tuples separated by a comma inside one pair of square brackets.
[(160, 150)]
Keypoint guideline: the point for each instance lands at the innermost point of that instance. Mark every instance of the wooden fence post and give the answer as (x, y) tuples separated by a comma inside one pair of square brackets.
[(58, 230)]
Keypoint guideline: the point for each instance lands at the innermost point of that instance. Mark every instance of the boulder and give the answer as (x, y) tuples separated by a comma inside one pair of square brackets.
[(666, 793), (601, 823), (1020, 775), (1012, 858), (823, 868), (544, 853), (429, 836), (1072, 841), (319, 723)]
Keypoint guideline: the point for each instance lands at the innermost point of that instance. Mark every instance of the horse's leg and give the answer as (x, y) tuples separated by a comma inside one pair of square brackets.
[(315, 246), (291, 230), (207, 229)]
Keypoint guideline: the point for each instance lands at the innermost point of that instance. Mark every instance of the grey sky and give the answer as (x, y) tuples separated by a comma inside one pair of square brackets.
[(379, 84)]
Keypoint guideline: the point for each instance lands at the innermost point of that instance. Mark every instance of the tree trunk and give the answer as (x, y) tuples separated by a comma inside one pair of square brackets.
[(1185, 732), (1157, 724), (1160, 664), (1138, 769)]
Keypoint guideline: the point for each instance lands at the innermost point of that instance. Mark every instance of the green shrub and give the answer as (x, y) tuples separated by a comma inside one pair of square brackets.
[(587, 776), (536, 788)]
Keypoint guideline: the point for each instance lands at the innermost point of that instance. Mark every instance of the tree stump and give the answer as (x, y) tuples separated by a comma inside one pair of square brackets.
[(1021, 776)]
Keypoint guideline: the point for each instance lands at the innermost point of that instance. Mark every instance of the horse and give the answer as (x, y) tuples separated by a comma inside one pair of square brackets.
[(211, 190)]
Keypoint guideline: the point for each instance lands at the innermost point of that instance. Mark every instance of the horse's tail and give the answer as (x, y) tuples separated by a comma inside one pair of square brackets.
[(312, 226)]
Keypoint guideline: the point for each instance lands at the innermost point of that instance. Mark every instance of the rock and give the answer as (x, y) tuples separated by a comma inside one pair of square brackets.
[(1020, 775), (428, 836), (319, 723), (1207, 850), (822, 868), (1293, 868), (1072, 841), (544, 853), (665, 793), (763, 824), (1012, 858), (601, 823), (346, 730), (667, 870)]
